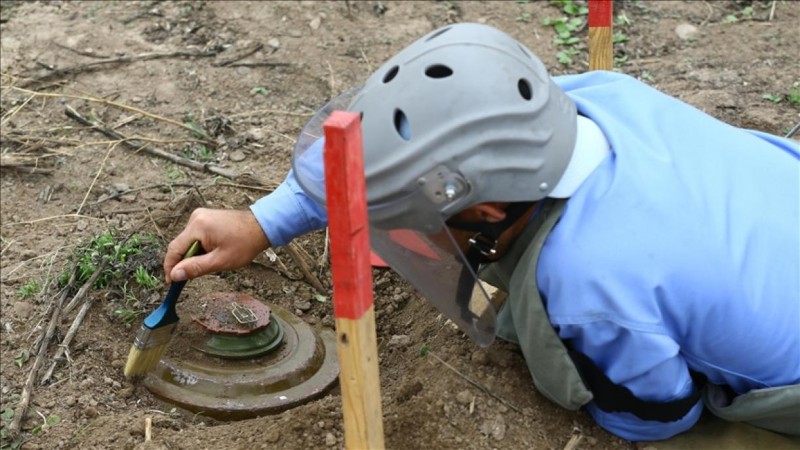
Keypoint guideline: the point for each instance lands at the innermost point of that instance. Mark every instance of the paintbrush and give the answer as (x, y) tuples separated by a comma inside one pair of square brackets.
[(157, 330)]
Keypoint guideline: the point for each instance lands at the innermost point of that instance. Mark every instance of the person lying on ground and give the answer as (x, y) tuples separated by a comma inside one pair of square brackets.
[(651, 252)]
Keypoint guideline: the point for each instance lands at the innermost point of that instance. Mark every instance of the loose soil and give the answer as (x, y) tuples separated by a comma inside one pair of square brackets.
[(258, 72)]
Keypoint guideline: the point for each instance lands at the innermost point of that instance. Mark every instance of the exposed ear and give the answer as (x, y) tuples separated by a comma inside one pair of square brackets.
[(492, 212)]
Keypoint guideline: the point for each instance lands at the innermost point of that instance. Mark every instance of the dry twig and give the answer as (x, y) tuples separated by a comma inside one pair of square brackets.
[(475, 383), (68, 338), (133, 144), (41, 351), (105, 62), (303, 265)]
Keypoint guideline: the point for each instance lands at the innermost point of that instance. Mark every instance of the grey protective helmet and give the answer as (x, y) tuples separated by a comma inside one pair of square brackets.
[(462, 116)]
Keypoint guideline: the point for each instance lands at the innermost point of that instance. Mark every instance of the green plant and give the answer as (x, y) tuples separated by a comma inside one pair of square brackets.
[(566, 27), (126, 315), (22, 357), (524, 17), (772, 98), (29, 289), (6, 417), (794, 95), (174, 172), (424, 350), (260, 90), (200, 153), (745, 14), (619, 37), (189, 121), (50, 421), (106, 246), (145, 278)]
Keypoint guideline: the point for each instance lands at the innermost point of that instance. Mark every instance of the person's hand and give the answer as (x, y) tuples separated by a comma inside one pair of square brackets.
[(230, 238)]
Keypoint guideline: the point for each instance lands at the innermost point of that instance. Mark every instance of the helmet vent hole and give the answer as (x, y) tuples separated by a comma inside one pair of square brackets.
[(401, 125), (438, 71), (524, 89), (391, 74), (437, 34)]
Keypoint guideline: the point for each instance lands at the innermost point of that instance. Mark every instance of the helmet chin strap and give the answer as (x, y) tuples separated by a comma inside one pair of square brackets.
[(482, 249), (483, 244)]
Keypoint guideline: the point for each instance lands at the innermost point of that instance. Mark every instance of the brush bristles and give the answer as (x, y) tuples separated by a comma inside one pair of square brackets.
[(141, 362)]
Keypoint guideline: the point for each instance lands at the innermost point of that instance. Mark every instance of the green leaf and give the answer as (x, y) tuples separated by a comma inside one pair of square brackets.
[(259, 90), (424, 350), (7, 414), (22, 357), (53, 420), (320, 298)]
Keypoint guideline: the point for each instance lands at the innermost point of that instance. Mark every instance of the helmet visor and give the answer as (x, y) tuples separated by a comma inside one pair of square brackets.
[(436, 266), (307, 153)]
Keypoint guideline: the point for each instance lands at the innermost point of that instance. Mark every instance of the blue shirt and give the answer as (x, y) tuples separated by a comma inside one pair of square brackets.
[(680, 251)]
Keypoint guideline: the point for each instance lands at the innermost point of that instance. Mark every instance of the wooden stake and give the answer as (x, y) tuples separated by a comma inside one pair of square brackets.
[(353, 307), (601, 48)]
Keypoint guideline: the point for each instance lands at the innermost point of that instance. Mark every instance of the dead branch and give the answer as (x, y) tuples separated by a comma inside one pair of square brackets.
[(40, 347), (247, 51), (137, 147), (81, 52), (260, 64), (94, 65), (86, 286), (67, 339), (303, 265)]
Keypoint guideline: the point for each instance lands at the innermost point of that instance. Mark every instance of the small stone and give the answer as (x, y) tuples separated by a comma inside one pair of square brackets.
[(315, 23), (302, 305), (91, 412), (274, 43), (121, 187), (23, 309), (480, 357), (126, 392), (272, 436), (237, 156), (399, 340), (495, 427), (118, 363), (330, 439), (464, 397), (686, 31)]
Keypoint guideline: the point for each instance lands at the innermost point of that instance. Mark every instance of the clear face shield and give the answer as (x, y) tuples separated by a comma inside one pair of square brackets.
[(433, 260)]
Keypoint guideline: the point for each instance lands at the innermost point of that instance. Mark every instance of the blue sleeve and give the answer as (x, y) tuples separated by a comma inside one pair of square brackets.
[(647, 363), (288, 212)]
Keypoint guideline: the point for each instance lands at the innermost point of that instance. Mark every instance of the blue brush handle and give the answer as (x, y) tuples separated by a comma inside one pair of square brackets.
[(166, 314)]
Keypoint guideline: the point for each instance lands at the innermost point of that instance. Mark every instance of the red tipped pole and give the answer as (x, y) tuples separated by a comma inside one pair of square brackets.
[(601, 47), (353, 307)]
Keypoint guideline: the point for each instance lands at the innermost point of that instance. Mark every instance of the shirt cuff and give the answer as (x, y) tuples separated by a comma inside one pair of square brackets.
[(287, 213)]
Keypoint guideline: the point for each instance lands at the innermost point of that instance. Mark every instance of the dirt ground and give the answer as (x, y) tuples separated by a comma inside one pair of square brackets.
[(230, 84)]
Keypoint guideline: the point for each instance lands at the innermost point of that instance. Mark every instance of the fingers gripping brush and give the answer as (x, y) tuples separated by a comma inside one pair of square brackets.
[(157, 330)]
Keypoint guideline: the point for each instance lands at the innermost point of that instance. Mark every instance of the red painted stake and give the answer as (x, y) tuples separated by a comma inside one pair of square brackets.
[(601, 47), (352, 282)]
